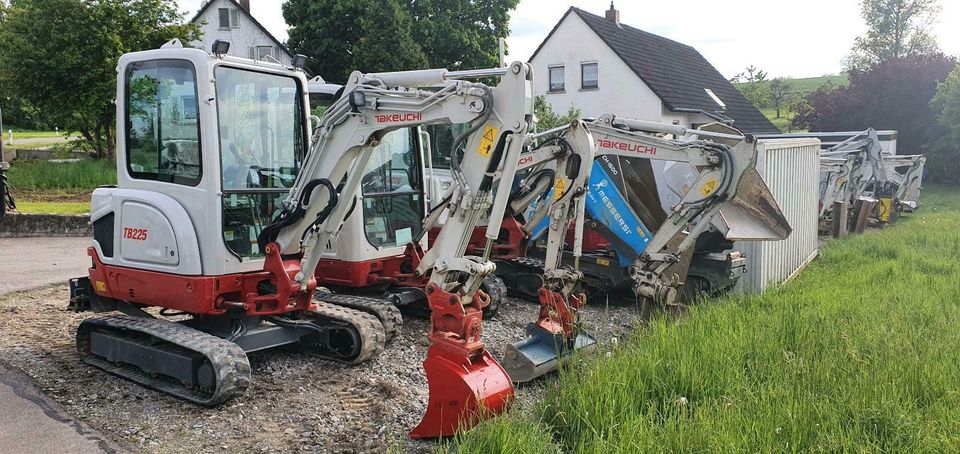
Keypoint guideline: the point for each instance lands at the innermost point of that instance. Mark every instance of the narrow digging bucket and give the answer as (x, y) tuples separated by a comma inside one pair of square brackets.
[(753, 214), (541, 352), (463, 392)]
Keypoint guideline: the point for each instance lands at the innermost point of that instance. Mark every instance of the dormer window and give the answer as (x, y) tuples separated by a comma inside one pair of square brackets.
[(229, 18)]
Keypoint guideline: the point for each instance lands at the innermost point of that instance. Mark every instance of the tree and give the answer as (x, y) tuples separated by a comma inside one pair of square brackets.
[(390, 35), (895, 29), (61, 56), (779, 92), (753, 84), (344, 35), (944, 154), (894, 94), (547, 119), (457, 34)]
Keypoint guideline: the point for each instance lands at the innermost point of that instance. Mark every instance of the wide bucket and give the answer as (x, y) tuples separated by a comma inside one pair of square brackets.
[(541, 353), (753, 213), (463, 392)]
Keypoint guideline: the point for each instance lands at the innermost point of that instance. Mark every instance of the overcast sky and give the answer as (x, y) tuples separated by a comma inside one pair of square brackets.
[(806, 39)]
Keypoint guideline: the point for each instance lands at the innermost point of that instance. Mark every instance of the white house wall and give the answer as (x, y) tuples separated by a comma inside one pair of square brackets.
[(621, 91), (241, 39)]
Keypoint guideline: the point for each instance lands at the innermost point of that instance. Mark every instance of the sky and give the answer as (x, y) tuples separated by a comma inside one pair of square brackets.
[(797, 39)]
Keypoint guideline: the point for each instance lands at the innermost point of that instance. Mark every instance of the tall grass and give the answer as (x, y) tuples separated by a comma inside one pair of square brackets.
[(85, 174), (860, 353)]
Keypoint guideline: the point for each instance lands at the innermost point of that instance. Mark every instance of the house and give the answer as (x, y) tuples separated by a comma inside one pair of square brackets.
[(600, 65), (230, 20)]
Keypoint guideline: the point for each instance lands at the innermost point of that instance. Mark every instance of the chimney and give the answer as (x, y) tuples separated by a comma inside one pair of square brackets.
[(245, 4), (613, 15)]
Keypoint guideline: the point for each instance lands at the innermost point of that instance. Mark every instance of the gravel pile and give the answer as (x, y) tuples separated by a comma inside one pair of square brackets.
[(294, 404)]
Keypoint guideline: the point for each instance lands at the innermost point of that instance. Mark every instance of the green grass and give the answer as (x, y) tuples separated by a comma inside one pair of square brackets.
[(859, 353), (86, 174), (810, 84), (69, 208), (22, 134), (783, 123)]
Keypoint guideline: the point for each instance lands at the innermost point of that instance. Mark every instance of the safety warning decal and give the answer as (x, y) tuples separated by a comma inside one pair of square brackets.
[(486, 142), (709, 186), (559, 188)]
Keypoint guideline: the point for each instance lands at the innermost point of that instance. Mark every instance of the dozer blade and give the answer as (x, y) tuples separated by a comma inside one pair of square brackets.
[(541, 352), (753, 214), (463, 391)]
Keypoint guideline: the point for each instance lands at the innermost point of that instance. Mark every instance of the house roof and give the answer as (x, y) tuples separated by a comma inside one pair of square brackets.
[(276, 41), (676, 72)]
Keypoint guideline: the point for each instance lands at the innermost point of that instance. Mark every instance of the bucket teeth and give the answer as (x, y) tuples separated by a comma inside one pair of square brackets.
[(541, 352)]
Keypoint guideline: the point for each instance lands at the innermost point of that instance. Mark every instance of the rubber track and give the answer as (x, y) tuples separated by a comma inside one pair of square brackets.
[(372, 335), (497, 291), (228, 359), (535, 265), (388, 314)]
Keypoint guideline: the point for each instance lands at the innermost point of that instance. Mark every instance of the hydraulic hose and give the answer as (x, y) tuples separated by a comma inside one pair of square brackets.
[(270, 233)]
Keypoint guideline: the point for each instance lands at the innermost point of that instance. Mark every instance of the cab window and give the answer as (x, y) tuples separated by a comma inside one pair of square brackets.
[(162, 133), (260, 119), (392, 191)]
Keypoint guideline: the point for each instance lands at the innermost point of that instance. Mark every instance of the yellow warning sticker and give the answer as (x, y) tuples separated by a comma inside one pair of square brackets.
[(709, 186), (486, 142), (603, 262), (559, 188), (101, 286)]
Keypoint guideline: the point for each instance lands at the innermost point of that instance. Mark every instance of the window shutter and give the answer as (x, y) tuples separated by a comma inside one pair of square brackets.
[(253, 53)]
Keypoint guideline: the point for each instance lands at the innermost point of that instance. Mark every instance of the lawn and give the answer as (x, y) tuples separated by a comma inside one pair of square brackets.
[(21, 134), (87, 174), (58, 188), (859, 353), (68, 208)]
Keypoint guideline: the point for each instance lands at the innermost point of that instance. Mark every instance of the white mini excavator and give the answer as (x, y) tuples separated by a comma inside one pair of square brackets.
[(225, 204)]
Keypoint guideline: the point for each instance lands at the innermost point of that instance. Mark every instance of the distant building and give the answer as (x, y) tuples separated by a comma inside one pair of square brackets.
[(230, 20), (600, 65)]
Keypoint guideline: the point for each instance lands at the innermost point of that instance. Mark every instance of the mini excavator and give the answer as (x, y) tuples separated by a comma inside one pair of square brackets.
[(225, 203), (726, 185)]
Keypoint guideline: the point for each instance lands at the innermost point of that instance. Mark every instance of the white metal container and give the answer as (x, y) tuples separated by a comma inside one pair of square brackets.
[(791, 168)]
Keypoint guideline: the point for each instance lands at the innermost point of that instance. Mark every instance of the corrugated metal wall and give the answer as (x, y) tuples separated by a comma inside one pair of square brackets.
[(791, 168)]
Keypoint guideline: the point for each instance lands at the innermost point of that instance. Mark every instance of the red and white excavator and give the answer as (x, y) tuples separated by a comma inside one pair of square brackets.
[(725, 186), (225, 204)]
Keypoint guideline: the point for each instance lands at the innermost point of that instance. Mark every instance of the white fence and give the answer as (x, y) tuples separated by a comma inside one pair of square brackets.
[(791, 168), (888, 139)]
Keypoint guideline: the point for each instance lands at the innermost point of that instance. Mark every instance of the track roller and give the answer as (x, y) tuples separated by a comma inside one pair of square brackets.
[(385, 311), (166, 356)]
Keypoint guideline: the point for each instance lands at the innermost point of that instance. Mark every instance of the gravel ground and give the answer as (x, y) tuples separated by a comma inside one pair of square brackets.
[(294, 403)]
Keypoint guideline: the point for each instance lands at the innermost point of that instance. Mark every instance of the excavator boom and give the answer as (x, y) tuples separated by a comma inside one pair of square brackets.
[(727, 184)]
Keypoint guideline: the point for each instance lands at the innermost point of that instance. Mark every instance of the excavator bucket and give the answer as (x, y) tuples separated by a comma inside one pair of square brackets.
[(465, 382), (462, 392), (550, 340), (753, 214), (541, 352)]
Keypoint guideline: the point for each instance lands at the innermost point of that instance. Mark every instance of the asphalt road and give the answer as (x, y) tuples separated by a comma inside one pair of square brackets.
[(32, 423), (27, 263), (29, 421)]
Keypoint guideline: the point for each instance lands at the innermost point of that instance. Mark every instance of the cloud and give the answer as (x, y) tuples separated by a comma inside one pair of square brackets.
[(798, 39)]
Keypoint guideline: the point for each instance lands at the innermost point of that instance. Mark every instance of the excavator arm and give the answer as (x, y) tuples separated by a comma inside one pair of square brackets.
[(726, 177), (465, 381)]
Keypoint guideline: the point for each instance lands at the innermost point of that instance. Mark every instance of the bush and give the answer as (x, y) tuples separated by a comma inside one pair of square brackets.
[(944, 161)]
